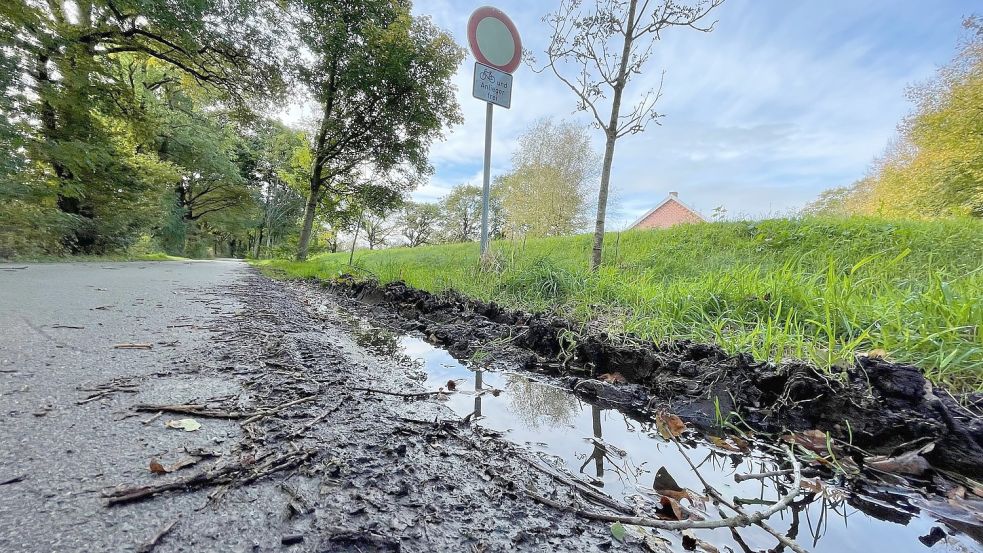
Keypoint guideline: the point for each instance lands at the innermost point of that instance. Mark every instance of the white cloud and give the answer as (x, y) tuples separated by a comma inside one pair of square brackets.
[(781, 101)]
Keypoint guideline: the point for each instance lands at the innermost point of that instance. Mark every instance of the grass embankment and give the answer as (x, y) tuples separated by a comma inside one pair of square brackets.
[(820, 290)]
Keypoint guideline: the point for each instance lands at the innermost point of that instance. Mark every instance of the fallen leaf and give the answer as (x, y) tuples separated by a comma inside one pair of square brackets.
[(724, 444), (813, 440), (741, 443), (691, 543), (958, 492), (911, 463), (877, 354), (188, 425), (672, 506), (612, 378), (814, 486), (618, 531), (157, 468), (664, 482), (670, 426)]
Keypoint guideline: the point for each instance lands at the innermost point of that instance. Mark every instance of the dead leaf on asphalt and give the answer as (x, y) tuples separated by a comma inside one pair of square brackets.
[(157, 468), (188, 425)]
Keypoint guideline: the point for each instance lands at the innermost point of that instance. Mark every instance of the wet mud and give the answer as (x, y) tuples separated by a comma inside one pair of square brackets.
[(876, 406)]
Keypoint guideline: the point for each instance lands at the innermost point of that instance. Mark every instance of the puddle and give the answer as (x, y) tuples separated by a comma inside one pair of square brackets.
[(621, 455)]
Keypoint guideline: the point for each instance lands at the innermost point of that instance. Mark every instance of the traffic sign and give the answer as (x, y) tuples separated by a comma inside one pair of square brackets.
[(494, 39), (492, 85), (496, 45)]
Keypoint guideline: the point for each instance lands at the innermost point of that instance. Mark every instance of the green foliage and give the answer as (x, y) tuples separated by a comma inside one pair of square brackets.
[(548, 191), (818, 289), (382, 79), (462, 213), (420, 223)]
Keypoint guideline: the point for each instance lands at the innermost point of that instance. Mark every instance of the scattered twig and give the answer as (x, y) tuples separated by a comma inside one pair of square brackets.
[(318, 419), (397, 394), (781, 505), (585, 490), (12, 268), (149, 545), (227, 474), (133, 346), (192, 409), (13, 479), (740, 519), (69, 326), (762, 475), (153, 418), (267, 412)]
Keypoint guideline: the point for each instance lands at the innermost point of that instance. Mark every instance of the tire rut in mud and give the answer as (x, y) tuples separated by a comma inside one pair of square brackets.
[(878, 406)]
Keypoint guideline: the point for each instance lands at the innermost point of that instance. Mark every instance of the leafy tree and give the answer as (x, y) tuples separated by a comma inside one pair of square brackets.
[(548, 191), (462, 213), (596, 50), (382, 80), (420, 224), (86, 131)]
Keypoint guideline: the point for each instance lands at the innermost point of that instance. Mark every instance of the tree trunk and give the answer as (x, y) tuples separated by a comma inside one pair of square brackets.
[(351, 256), (305, 230), (602, 202), (259, 242), (612, 137)]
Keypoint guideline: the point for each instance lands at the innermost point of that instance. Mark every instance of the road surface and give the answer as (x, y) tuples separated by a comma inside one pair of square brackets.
[(295, 454)]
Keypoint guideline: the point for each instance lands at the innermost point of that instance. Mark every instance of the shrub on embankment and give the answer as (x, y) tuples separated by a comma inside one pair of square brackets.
[(816, 289)]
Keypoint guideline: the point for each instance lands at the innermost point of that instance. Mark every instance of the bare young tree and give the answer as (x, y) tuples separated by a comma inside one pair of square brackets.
[(596, 48)]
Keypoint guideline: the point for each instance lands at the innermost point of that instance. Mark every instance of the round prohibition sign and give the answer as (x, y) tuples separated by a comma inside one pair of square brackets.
[(494, 39)]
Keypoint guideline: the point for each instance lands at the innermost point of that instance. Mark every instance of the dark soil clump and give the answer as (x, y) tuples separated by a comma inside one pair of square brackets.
[(877, 406)]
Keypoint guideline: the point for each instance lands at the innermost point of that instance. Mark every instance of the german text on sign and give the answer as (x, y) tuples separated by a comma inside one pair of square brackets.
[(492, 85)]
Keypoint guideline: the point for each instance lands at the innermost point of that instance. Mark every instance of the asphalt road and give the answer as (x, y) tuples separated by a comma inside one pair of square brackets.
[(370, 471), (59, 325)]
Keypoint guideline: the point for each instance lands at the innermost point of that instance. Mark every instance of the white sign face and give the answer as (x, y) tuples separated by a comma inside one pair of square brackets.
[(492, 85)]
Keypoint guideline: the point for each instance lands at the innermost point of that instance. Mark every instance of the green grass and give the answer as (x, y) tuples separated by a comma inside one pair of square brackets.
[(94, 258), (814, 289)]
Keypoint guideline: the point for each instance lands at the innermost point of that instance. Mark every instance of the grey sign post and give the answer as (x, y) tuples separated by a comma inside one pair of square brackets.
[(496, 45)]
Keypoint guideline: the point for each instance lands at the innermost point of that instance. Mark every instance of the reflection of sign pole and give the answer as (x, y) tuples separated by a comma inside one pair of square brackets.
[(496, 45)]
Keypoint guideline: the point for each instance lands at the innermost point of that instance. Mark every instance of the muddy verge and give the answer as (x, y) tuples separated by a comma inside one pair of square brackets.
[(875, 407)]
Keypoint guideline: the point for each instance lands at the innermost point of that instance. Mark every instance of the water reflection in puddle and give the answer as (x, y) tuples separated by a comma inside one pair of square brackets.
[(620, 455)]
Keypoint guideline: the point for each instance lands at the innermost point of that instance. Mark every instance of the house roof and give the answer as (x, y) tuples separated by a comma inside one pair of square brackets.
[(671, 198)]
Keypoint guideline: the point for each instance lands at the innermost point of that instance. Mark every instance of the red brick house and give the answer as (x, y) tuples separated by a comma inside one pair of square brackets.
[(669, 213)]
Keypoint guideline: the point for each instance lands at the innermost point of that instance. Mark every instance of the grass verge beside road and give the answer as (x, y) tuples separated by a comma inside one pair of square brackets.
[(821, 290)]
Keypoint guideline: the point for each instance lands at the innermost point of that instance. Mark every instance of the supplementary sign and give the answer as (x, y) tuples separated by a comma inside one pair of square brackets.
[(492, 85)]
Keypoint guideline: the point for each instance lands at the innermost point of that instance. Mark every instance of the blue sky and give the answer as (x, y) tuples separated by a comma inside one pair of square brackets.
[(783, 100)]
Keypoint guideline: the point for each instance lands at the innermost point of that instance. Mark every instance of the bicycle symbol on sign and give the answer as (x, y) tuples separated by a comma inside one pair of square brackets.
[(486, 75)]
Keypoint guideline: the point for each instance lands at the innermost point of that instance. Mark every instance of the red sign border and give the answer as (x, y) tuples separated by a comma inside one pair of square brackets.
[(476, 17)]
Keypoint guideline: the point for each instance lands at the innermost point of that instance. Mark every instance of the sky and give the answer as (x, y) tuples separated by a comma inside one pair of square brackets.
[(782, 100)]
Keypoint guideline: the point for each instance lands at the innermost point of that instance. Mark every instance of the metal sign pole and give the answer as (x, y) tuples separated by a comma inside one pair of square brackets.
[(486, 189)]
